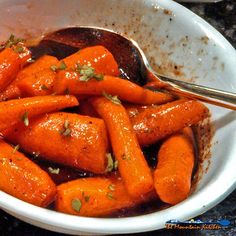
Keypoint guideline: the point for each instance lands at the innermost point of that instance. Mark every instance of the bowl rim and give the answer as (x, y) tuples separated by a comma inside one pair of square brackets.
[(197, 203)]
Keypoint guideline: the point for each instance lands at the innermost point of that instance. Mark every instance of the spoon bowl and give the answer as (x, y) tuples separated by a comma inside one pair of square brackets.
[(132, 62)]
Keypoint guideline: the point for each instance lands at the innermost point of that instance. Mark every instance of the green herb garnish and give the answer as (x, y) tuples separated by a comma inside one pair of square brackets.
[(44, 87), (76, 204), (111, 187), (62, 66), (11, 42), (87, 72), (19, 49), (55, 171), (113, 99), (110, 163), (116, 163), (110, 196), (16, 148), (66, 131), (25, 119)]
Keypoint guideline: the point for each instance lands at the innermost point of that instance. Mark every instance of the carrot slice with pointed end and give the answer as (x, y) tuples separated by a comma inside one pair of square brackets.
[(28, 73), (153, 123), (124, 89), (39, 84), (13, 111), (70, 139), (172, 177), (132, 164), (97, 57), (10, 64), (95, 196), (23, 179)]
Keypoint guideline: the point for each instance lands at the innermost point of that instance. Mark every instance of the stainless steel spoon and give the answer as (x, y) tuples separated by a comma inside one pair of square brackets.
[(134, 64)]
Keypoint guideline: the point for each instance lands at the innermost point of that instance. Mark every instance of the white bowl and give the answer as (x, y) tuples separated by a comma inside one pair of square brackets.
[(160, 27)]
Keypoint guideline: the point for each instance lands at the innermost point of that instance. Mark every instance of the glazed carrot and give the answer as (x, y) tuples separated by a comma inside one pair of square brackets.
[(10, 64), (97, 57), (156, 122), (124, 89), (94, 196), (28, 73), (172, 177), (24, 53), (132, 164), (38, 84), (23, 179), (70, 139), (20, 110)]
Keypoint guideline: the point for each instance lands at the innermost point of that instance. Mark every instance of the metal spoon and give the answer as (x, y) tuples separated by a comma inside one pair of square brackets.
[(132, 61)]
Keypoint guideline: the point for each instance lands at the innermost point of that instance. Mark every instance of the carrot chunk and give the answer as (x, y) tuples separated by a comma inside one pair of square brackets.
[(23, 179), (95, 196), (152, 123), (16, 110), (124, 89), (172, 177), (131, 162), (69, 139)]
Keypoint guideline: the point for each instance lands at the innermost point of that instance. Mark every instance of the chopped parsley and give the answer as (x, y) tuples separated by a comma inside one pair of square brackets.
[(44, 87), (19, 49), (16, 148), (110, 163), (113, 99), (55, 171), (110, 196), (87, 72), (115, 165), (76, 204), (111, 187), (66, 129), (62, 66), (25, 118), (11, 42)]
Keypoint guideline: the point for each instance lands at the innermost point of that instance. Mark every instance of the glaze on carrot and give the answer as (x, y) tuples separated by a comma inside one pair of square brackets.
[(39, 84), (153, 123), (94, 196), (10, 64), (28, 73), (124, 89), (172, 177), (97, 57), (66, 138), (21, 110), (23, 179), (132, 164)]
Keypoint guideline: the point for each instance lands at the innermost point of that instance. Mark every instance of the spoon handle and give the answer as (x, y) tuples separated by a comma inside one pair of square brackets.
[(203, 93)]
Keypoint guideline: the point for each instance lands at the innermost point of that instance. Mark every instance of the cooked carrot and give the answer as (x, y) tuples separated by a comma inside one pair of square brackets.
[(95, 196), (97, 57), (172, 177), (124, 89), (10, 64), (38, 84), (28, 73), (14, 111), (70, 139), (132, 164), (23, 179), (24, 53), (156, 122)]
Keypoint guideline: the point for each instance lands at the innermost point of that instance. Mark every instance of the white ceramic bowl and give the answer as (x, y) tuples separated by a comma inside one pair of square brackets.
[(160, 27)]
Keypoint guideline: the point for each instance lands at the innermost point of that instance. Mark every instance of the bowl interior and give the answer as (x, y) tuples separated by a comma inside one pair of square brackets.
[(176, 42)]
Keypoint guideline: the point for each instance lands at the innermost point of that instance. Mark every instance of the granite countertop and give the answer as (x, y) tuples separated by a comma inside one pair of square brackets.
[(222, 16)]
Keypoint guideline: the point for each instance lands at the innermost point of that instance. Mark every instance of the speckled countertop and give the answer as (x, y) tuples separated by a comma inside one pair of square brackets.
[(222, 16)]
